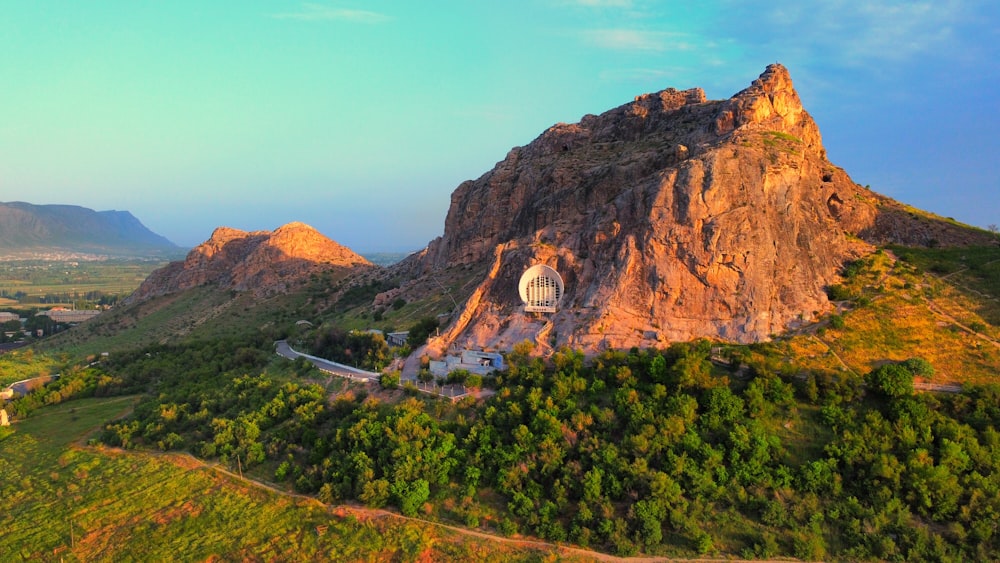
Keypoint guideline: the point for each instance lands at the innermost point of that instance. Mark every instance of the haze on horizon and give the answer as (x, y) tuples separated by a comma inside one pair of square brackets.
[(361, 118)]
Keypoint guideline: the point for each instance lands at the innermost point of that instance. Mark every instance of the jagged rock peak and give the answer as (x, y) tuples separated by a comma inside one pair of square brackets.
[(775, 78), (771, 101), (224, 234), (295, 226), (260, 261), (669, 217)]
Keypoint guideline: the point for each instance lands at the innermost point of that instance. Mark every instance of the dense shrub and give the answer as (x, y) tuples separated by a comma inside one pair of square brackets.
[(654, 451)]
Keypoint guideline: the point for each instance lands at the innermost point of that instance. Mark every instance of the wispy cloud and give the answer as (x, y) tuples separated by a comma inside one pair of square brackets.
[(853, 33), (320, 12), (624, 39)]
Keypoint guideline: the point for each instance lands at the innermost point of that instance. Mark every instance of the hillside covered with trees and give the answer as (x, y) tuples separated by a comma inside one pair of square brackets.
[(653, 451)]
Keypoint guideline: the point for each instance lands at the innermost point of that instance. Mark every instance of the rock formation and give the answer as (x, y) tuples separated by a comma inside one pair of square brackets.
[(264, 262), (669, 218)]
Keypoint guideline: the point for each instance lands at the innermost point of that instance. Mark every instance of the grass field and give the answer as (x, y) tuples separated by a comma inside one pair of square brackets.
[(63, 282), (904, 309), (66, 502), (24, 364)]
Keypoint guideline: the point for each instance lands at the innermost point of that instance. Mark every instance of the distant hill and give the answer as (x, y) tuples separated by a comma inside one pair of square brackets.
[(234, 284), (33, 230), (385, 258), (264, 262)]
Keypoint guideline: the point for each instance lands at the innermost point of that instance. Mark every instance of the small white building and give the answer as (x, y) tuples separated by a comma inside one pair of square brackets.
[(541, 289), (472, 361)]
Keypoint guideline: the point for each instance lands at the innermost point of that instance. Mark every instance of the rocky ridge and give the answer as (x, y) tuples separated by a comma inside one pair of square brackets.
[(263, 262), (669, 218)]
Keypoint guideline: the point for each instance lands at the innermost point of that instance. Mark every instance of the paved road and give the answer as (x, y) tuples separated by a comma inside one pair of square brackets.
[(286, 351), (26, 386)]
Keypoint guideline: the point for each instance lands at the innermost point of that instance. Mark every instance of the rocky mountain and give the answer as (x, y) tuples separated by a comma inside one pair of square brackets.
[(263, 262), (33, 229), (668, 218)]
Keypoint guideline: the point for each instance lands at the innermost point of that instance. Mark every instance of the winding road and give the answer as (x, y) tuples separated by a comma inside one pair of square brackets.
[(283, 349)]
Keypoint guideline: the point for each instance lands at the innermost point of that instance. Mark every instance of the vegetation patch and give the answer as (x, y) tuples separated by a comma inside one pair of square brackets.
[(892, 310), (82, 284), (67, 502), (974, 271), (657, 452)]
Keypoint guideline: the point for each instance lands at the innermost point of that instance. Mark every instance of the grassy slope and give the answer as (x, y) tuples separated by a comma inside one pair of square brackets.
[(442, 292), (67, 502), (906, 310), (24, 364), (935, 305), (207, 312), (203, 312)]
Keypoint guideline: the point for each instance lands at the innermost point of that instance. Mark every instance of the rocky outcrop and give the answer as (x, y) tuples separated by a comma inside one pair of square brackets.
[(669, 218), (264, 262)]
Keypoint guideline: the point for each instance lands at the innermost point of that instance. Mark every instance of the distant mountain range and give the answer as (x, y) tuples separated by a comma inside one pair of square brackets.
[(35, 230)]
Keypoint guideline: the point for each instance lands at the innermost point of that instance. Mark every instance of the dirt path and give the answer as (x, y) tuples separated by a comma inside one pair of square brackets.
[(189, 462), (937, 310), (934, 308), (918, 385), (834, 352)]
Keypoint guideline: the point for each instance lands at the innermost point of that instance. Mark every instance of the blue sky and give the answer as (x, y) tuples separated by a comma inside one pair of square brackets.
[(360, 118)]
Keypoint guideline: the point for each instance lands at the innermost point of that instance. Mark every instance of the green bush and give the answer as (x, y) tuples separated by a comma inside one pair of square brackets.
[(893, 381), (837, 321), (389, 380), (837, 292), (421, 331), (919, 367)]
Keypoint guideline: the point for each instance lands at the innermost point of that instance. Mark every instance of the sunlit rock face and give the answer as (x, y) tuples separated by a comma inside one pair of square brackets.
[(669, 218), (264, 262)]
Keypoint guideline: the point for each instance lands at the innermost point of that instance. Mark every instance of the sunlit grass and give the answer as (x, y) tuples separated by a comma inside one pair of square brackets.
[(67, 502), (902, 312), (24, 364)]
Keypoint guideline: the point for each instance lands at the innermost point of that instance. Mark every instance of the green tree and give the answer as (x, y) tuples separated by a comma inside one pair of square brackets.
[(411, 495), (375, 493), (421, 331), (389, 380), (892, 381), (918, 367)]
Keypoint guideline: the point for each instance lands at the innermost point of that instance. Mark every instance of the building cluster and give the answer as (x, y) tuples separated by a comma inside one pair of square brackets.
[(64, 315), (472, 361), (59, 315)]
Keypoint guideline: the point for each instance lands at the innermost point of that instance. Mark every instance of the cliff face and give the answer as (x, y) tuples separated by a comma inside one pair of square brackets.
[(669, 218), (264, 262)]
